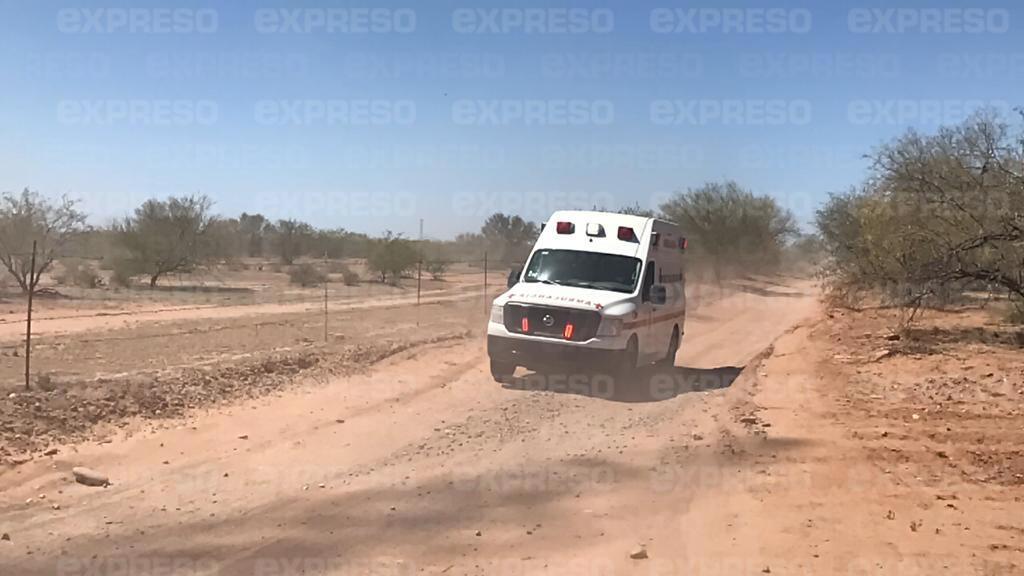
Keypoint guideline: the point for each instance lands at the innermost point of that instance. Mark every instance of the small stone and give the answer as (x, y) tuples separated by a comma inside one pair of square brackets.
[(478, 533), (51, 452), (243, 437), (638, 553), (767, 570), (881, 355), (5, 537), (55, 506), (19, 460), (89, 477)]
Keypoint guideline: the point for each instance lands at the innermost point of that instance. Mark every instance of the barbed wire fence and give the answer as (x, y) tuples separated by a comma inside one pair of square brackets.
[(474, 279)]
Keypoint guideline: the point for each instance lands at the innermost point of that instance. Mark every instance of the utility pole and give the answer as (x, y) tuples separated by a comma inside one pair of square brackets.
[(28, 321), (486, 308)]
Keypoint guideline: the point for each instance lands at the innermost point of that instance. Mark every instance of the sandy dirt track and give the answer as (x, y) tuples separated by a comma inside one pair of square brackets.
[(730, 463)]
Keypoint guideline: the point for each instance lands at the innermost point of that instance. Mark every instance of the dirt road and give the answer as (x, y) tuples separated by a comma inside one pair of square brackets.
[(728, 464)]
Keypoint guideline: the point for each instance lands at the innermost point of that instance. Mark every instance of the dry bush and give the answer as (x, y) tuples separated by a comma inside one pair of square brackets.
[(306, 275), (349, 276), (731, 229), (80, 274), (939, 216), (437, 269), (122, 273), (170, 236)]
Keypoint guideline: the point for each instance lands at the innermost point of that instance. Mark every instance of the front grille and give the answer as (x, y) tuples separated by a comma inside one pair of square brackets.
[(584, 322)]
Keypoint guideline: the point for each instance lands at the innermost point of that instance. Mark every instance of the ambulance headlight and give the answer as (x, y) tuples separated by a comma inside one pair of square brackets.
[(497, 314), (610, 327)]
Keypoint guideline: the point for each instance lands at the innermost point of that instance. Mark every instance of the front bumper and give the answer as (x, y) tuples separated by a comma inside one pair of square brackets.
[(537, 353)]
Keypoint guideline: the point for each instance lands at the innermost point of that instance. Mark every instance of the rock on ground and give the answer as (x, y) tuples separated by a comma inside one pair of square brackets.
[(89, 477)]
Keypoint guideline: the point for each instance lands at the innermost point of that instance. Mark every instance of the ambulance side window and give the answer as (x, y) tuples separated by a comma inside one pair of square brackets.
[(645, 290)]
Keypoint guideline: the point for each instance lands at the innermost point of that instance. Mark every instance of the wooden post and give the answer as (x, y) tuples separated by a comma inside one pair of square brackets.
[(419, 274), (486, 307), (326, 281), (28, 319)]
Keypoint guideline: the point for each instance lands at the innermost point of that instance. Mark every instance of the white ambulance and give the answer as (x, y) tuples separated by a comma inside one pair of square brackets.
[(599, 291)]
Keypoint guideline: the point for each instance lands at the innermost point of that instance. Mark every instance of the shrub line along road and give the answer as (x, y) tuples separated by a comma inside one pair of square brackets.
[(425, 465)]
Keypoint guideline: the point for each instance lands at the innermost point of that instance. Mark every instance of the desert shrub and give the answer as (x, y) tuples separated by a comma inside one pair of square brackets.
[(291, 239), (730, 228), (437, 269), (122, 273), (306, 275), (392, 257), (335, 267), (1016, 313), (939, 215), (350, 277), (170, 236), (505, 237), (78, 274)]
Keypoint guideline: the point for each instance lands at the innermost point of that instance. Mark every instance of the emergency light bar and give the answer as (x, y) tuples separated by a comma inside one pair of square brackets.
[(565, 227)]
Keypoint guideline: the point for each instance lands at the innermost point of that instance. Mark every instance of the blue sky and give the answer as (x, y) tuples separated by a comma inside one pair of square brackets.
[(402, 111)]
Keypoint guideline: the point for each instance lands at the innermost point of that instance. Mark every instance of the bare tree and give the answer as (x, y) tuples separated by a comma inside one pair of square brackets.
[(29, 217), (166, 236)]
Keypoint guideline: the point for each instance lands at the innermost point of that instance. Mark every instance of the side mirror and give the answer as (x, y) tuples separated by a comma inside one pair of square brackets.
[(658, 294), (513, 277)]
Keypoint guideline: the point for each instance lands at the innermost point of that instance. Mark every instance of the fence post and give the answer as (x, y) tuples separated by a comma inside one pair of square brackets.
[(28, 319), (327, 279)]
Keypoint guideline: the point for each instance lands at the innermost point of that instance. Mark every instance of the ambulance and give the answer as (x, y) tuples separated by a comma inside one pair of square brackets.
[(599, 290)]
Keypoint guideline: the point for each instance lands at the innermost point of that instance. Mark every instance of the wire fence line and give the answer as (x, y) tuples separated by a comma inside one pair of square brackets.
[(226, 285)]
